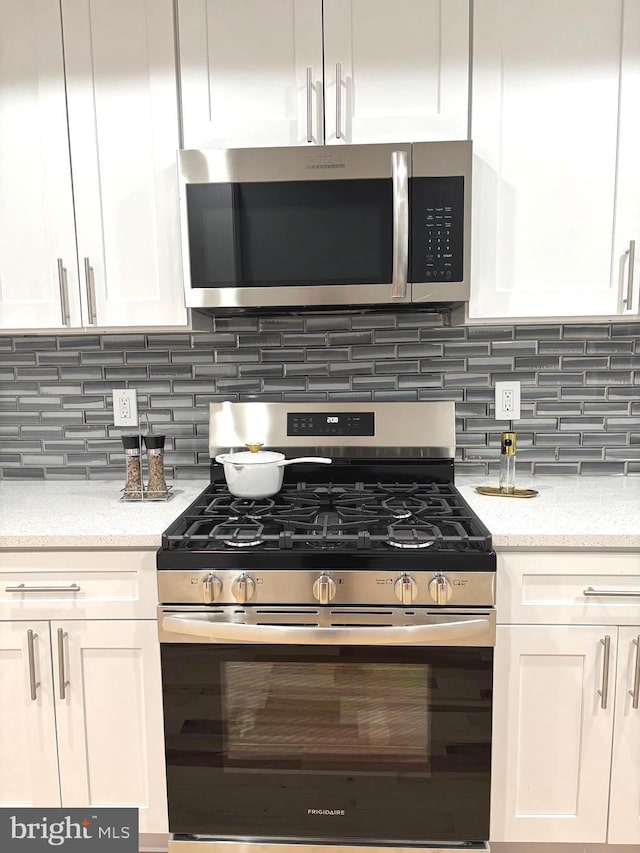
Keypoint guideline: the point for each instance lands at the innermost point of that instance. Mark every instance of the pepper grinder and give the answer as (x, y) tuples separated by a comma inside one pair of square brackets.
[(508, 463), (157, 485), (133, 486)]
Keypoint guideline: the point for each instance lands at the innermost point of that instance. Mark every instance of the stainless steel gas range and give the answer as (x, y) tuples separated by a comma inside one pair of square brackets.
[(327, 652)]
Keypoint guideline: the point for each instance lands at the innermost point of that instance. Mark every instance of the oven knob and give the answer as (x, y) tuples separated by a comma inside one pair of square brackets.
[(211, 588), (243, 588), (406, 589), (440, 589), (324, 589)]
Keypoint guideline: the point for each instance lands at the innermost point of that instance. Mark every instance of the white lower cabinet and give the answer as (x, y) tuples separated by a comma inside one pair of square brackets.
[(28, 751), (80, 685), (90, 732), (566, 734), (624, 803), (93, 742)]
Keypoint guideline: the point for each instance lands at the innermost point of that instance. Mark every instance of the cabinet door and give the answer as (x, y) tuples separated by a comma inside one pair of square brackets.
[(396, 72), (624, 806), (556, 133), (37, 238), (251, 72), (28, 755), (110, 730), (551, 735), (123, 125)]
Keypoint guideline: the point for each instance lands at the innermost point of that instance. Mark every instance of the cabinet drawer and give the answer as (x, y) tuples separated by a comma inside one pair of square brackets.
[(568, 588), (77, 584)]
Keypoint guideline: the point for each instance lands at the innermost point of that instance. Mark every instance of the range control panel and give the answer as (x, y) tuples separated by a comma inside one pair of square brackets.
[(282, 587), (437, 211), (330, 423)]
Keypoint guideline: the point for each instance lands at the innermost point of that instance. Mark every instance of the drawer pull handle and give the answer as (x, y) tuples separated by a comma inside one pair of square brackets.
[(636, 679), (632, 593), (61, 676), (32, 665), (22, 588), (604, 693)]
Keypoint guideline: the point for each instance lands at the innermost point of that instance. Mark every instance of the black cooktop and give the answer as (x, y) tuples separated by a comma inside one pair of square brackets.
[(394, 524)]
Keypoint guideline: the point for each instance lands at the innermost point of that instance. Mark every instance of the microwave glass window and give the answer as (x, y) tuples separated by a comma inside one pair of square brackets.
[(336, 717), (273, 233)]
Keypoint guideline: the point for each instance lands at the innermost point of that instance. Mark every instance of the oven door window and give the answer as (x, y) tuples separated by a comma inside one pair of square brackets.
[(325, 743), (326, 717), (290, 233)]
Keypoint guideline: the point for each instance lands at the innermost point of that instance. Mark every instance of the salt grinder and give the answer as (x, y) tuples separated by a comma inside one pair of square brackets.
[(157, 486), (133, 486), (508, 463)]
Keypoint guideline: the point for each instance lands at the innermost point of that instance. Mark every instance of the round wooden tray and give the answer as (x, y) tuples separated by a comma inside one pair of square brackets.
[(516, 493)]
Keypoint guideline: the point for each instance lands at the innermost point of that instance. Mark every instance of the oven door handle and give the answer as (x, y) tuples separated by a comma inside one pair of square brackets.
[(457, 632)]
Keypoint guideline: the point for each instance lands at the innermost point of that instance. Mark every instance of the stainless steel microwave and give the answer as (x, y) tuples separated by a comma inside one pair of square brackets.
[(343, 225)]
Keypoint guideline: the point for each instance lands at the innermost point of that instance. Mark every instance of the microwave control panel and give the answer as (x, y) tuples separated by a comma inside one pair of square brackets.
[(437, 233)]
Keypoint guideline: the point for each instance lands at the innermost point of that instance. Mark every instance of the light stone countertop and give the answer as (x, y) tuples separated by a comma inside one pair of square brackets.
[(568, 512), (86, 514)]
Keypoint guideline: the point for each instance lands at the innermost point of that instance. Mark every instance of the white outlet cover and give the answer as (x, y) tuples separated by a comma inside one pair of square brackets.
[(125, 407), (505, 412)]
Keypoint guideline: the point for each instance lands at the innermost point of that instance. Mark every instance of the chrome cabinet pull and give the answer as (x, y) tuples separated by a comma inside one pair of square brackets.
[(338, 100), (22, 588), (309, 105), (61, 676), (604, 693), (636, 678), (631, 593), (32, 665), (64, 293), (400, 178), (91, 291), (631, 252)]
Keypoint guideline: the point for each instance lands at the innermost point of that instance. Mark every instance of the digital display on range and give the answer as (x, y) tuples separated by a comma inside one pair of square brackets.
[(328, 423)]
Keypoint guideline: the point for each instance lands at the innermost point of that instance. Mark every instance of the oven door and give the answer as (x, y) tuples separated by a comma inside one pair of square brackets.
[(365, 732), (289, 227)]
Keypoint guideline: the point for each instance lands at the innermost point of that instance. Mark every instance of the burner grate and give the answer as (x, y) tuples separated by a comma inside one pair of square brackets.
[(360, 517)]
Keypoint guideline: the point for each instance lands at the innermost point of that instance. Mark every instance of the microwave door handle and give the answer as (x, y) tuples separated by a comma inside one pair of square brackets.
[(309, 104), (400, 178), (460, 631)]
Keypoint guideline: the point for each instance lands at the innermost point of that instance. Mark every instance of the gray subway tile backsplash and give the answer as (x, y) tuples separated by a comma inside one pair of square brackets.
[(580, 387)]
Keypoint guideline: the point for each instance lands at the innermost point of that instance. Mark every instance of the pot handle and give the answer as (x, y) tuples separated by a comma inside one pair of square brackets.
[(222, 458), (322, 459)]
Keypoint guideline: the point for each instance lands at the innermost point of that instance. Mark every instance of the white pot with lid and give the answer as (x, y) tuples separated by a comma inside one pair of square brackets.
[(256, 473)]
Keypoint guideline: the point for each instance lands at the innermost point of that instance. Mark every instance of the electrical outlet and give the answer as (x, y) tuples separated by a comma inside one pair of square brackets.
[(125, 407), (507, 401)]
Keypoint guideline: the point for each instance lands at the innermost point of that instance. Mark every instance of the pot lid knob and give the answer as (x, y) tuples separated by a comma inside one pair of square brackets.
[(254, 448)]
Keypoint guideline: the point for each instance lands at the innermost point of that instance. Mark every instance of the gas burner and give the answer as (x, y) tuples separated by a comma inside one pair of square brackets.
[(412, 536), (402, 507), (248, 508), (242, 534)]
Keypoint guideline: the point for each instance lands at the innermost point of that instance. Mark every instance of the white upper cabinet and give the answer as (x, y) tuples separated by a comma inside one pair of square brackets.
[(123, 127), (38, 266), (296, 72), (251, 72), (396, 71), (556, 133), (89, 122)]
